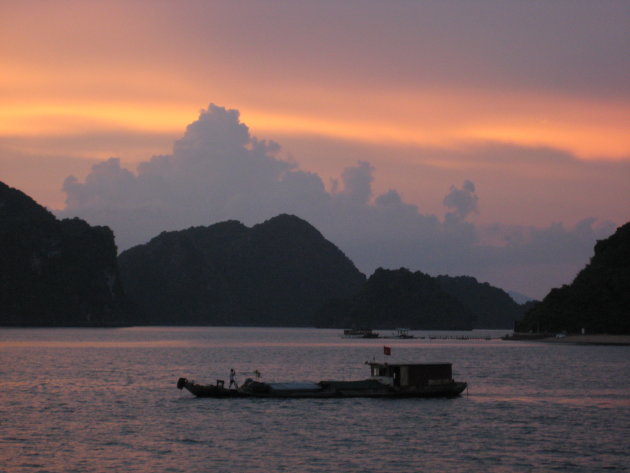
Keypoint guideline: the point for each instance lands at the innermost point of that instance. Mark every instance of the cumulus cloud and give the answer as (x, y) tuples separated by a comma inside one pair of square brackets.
[(219, 171), (462, 201)]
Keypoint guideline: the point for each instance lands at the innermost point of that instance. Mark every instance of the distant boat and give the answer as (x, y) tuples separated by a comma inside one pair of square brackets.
[(402, 333), (390, 380), (359, 333)]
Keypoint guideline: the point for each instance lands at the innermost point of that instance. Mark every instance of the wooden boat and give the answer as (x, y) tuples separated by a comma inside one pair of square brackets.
[(391, 380)]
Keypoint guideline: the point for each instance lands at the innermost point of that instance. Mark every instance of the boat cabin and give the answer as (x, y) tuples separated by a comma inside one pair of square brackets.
[(412, 374)]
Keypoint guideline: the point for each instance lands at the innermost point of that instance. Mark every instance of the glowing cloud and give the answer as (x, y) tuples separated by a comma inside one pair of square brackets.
[(219, 171)]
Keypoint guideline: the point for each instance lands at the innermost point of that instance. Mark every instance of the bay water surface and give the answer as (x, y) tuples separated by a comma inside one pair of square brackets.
[(105, 400)]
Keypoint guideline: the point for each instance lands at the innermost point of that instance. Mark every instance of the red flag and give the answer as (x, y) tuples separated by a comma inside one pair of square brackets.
[(387, 351)]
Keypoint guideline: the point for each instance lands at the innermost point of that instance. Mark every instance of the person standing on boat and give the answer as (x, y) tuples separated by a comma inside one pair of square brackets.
[(233, 379)]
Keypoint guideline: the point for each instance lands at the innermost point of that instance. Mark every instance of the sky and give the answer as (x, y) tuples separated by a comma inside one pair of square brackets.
[(486, 138)]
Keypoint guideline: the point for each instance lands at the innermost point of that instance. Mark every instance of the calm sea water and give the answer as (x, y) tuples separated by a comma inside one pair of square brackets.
[(83, 400)]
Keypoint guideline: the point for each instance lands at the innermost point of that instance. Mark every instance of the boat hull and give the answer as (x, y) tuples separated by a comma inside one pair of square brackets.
[(207, 390), (327, 389)]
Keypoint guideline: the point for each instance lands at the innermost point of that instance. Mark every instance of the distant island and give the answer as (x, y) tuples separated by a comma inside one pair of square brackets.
[(281, 272), (398, 298), (492, 307)]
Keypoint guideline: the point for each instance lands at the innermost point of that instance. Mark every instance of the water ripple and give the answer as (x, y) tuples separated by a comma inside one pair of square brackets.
[(105, 400)]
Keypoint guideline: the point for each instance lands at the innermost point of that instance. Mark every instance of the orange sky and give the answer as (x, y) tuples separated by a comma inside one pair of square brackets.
[(90, 80), (59, 105)]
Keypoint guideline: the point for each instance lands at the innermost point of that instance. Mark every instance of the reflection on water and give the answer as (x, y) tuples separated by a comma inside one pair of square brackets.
[(105, 400), (93, 344)]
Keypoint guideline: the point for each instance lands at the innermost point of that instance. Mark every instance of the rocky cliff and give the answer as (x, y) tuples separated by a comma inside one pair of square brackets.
[(598, 299), (55, 273)]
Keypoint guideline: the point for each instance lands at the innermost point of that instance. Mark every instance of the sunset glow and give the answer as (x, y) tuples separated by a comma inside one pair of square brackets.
[(422, 96), (588, 130)]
